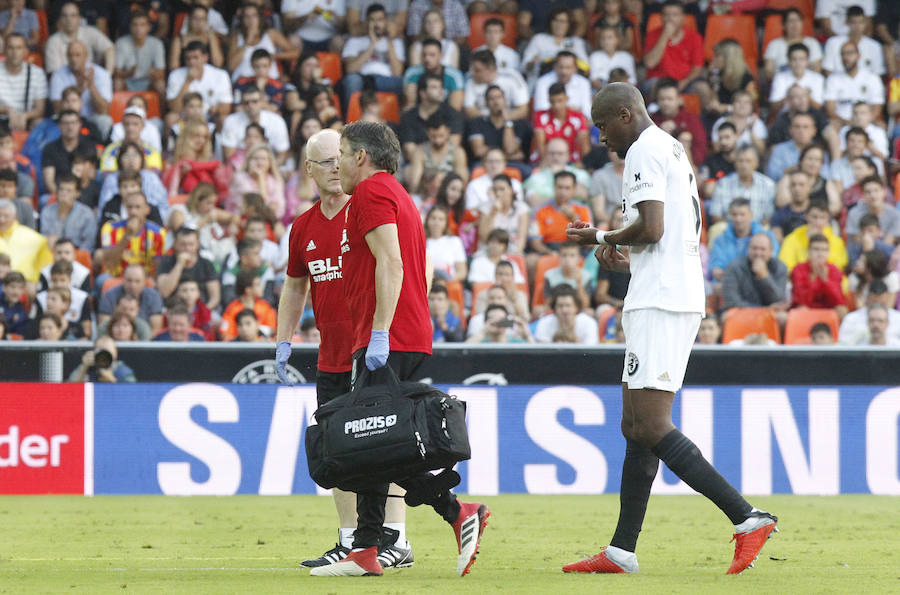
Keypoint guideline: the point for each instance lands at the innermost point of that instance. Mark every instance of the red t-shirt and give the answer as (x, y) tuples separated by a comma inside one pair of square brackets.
[(381, 200), (315, 250), (817, 293), (677, 59), (567, 129)]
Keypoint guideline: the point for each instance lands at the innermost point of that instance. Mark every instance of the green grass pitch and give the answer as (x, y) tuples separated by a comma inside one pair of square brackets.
[(252, 544)]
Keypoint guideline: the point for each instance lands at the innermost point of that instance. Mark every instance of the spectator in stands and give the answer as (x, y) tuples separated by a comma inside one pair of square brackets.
[(259, 175), (356, 11), (874, 203), (505, 212), (124, 324), (798, 101), (192, 163), (559, 120), (113, 210), (775, 54), (438, 154), (434, 27), (871, 265), (12, 306), (606, 189), (734, 241), (577, 88), (483, 74), (22, 203), (749, 127), (820, 334), (140, 58), (816, 283), (68, 217), (719, 163), (544, 48), (553, 218), (799, 74), (57, 155), (203, 25), (498, 131), (787, 154), (792, 215), (134, 284), (812, 163), (97, 46), (452, 80), (57, 302), (795, 248), (28, 250), (566, 315), (452, 11), (249, 291), (844, 89), (273, 90), (484, 264), (64, 251), (506, 57), (447, 325), (179, 327), (729, 74), (672, 115), (131, 159), (252, 34), (20, 21), (84, 168), (863, 118), (121, 328), (248, 327), (133, 123), (710, 332), (379, 54), (23, 86), (448, 255), (854, 326), (540, 185), (673, 50), (878, 320), (870, 237), (249, 259), (430, 93), (198, 76), (871, 54), (516, 300), (757, 279), (149, 131), (212, 224), (501, 327), (745, 182), (611, 55), (94, 368), (189, 295), (187, 262), (841, 169), (134, 240), (313, 26), (235, 126), (569, 272), (93, 82)]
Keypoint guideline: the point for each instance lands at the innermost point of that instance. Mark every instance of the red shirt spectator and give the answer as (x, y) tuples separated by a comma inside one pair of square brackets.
[(816, 283), (683, 50), (566, 128)]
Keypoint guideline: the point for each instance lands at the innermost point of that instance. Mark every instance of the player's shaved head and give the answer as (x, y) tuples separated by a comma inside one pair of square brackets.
[(323, 144), (621, 115), (616, 96)]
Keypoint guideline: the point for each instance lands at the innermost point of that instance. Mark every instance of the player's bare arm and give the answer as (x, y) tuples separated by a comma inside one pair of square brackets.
[(384, 243), (646, 229), (290, 306)]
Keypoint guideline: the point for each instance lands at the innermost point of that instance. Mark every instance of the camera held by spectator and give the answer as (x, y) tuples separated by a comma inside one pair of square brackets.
[(102, 364)]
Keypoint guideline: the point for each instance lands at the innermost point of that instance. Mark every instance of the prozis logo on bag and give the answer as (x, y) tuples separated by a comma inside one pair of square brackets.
[(41, 438)]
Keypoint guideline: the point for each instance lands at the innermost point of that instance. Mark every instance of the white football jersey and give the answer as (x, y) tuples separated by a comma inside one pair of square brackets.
[(666, 275)]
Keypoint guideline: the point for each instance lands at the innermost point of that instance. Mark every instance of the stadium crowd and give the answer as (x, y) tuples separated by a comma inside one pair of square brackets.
[(152, 159)]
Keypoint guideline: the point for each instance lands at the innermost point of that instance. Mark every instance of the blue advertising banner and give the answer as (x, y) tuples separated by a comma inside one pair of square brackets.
[(187, 439)]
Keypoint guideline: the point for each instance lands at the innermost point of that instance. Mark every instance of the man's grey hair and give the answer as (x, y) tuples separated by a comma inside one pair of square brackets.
[(378, 140), (6, 203)]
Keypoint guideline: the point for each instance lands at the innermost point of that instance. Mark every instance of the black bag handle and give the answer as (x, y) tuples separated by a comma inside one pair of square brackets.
[(361, 381)]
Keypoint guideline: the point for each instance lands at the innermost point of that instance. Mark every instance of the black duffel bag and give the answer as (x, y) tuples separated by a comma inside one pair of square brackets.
[(385, 433)]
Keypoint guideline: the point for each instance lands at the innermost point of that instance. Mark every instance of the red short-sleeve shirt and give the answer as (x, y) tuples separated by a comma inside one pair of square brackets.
[(678, 59), (315, 250), (381, 200)]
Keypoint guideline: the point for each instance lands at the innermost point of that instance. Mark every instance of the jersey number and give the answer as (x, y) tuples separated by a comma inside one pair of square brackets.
[(695, 200)]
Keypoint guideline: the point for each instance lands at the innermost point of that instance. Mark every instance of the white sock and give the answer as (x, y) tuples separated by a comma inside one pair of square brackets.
[(400, 528), (346, 534), (625, 559)]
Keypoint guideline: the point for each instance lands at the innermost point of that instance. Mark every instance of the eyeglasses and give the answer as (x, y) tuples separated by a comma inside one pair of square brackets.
[(325, 163)]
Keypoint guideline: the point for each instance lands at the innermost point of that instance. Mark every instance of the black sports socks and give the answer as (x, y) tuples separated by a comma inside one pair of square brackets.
[(638, 472)]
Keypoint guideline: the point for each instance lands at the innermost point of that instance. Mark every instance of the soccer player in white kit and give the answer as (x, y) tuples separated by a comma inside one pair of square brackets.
[(663, 308)]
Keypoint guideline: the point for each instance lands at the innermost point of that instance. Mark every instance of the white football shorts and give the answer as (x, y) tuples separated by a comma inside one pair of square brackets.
[(657, 347)]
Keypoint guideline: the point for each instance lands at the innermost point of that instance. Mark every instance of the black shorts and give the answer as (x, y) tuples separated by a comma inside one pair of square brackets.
[(403, 363), (330, 385)]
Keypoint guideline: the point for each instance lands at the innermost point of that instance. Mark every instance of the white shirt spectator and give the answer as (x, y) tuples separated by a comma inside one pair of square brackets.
[(602, 64), (55, 51), (482, 270), (510, 82), (446, 252), (845, 90), (871, 55), (149, 135), (378, 64), (214, 19), (836, 11), (785, 79), (245, 68), (578, 89), (586, 329), (235, 127), (855, 327), (478, 198), (758, 127), (63, 77), (214, 86), (778, 48), (315, 28), (12, 87), (877, 136), (506, 57), (544, 47)]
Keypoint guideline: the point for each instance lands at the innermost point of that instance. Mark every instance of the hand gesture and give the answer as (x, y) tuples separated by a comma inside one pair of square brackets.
[(611, 259), (87, 360), (134, 227), (373, 38), (378, 350), (759, 267), (182, 258), (582, 233), (106, 375), (569, 212)]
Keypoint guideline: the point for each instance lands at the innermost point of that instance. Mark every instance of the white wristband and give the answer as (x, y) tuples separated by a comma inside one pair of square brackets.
[(601, 239)]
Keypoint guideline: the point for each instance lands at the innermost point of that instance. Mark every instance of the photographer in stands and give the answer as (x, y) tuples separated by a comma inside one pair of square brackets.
[(101, 364)]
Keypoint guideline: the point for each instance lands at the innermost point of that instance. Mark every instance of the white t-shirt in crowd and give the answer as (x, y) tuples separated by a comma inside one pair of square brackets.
[(482, 270), (602, 64), (379, 63), (777, 51), (836, 11), (479, 199), (871, 55), (235, 127), (666, 275), (585, 329), (506, 57), (12, 87), (876, 133), (214, 86), (446, 252), (214, 19), (578, 89), (784, 80), (758, 127), (149, 135), (845, 90), (510, 82), (855, 327), (316, 27)]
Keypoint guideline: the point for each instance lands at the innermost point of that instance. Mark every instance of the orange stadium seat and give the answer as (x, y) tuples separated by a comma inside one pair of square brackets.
[(19, 138), (774, 29), (741, 28), (178, 199), (510, 171), (519, 261), (120, 102), (390, 107), (110, 283), (179, 21), (43, 28), (478, 288), (476, 28), (654, 21), (330, 63), (545, 263), (740, 322), (800, 320), (691, 103), (35, 58), (455, 293)]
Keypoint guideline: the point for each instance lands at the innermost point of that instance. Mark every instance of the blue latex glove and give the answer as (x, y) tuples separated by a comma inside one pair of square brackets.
[(282, 354), (378, 349)]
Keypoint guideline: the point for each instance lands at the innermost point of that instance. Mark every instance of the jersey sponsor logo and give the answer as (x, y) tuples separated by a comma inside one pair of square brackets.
[(637, 177), (641, 186), (632, 363), (323, 270), (345, 243), (677, 150), (369, 426), (310, 246), (691, 248)]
